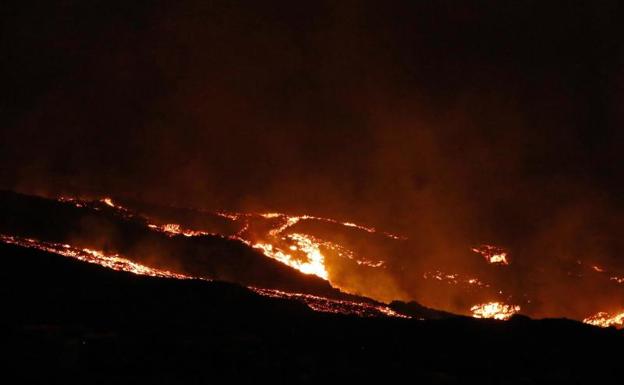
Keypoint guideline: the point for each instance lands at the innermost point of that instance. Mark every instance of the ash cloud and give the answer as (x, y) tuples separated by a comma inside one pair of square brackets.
[(453, 124)]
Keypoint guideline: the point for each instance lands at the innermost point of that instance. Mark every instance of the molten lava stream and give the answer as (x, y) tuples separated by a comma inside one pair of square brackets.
[(111, 261), (303, 252), (119, 263), (604, 319), (492, 254), (495, 310), (297, 250)]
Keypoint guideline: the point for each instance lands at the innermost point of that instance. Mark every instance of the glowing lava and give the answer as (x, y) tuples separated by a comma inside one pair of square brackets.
[(330, 305), (119, 263), (112, 261), (315, 263), (454, 279), (297, 250), (495, 310), (617, 279), (173, 229), (279, 236), (604, 319), (492, 254), (307, 253)]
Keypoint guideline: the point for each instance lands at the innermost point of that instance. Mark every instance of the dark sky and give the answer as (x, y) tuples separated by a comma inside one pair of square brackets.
[(455, 121)]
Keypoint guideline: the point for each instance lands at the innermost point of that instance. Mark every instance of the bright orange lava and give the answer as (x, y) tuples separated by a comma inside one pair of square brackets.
[(307, 253), (492, 254), (604, 319), (496, 310), (297, 250), (117, 262), (112, 261), (302, 252), (329, 305)]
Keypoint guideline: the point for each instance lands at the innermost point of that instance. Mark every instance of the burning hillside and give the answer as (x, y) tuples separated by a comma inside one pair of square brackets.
[(287, 239), (325, 250), (204, 191), (116, 262), (106, 321)]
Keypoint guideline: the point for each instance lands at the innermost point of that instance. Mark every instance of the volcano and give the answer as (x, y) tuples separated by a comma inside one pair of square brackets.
[(86, 301), (102, 233), (304, 254), (313, 191)]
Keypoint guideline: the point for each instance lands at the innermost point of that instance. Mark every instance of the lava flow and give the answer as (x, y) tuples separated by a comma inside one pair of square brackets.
[(175, 229), (315, 263), (120, 263), (300, 251), (329, 305), (492, 254), (297, 250), (111, 261), (454, 279), (304, 253), (604, 319), (495, 310), (289, 240)]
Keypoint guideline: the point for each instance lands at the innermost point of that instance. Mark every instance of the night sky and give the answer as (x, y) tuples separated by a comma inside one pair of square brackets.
[(450, 122)]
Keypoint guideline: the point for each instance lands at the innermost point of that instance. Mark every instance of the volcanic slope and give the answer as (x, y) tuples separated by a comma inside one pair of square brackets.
[(100, 227), (104, 233), (74, 322)]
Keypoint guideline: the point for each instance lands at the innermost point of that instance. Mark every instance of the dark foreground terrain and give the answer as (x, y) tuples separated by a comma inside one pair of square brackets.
[(65, 321)]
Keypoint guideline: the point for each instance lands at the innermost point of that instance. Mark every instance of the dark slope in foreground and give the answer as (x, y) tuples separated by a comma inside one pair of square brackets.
[(72, 322)]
